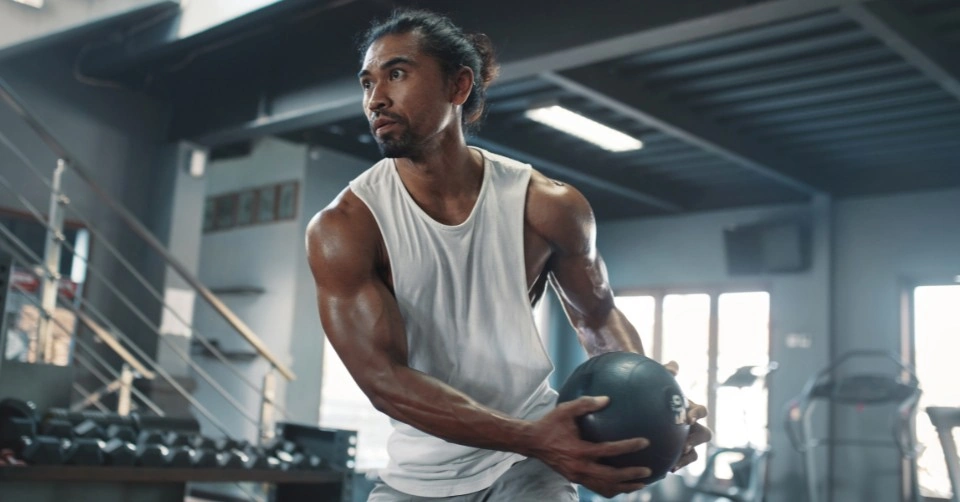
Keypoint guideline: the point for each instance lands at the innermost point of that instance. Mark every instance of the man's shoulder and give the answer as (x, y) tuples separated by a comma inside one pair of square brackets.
[(558, 212), (347, 221), (551, 196)]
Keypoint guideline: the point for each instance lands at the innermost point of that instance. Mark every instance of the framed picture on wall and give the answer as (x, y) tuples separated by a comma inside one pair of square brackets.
[(226, 211), (209, 214), (246, 205), (267, 204), (287, 206)]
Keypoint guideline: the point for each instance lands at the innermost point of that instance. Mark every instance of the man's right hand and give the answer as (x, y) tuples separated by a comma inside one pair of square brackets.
[(556, 442)]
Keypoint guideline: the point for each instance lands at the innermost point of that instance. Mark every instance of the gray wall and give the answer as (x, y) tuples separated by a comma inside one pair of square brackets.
[(259, 256), (116, 136), (271, 256)]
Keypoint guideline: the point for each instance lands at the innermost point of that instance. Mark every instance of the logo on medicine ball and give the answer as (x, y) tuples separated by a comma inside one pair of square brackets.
[(678, 407)]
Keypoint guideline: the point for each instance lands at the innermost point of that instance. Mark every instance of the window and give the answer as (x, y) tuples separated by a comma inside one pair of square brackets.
[(712, 336), (936, 324)]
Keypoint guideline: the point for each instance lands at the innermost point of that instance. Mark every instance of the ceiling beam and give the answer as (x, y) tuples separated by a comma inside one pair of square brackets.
[(577, 176), (327, 102), (624, 97), (910, 40)]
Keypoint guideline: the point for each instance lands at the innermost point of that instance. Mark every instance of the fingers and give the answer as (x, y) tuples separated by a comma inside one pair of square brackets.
[(673, 367), (611, 475), (686, 459), (584, 405), (695, 411), (614, 448), (698, 435)]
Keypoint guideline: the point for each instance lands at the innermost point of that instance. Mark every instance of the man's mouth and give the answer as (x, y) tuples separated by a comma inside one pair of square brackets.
[(382, 125)]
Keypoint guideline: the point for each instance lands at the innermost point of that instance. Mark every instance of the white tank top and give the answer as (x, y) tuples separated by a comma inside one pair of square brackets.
[(462, 291)]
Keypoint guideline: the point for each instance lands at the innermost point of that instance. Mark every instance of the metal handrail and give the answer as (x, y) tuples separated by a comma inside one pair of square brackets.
[(196, 334), (20, 108), (136, 311), (153, 327), (81, 344), (160, 371)]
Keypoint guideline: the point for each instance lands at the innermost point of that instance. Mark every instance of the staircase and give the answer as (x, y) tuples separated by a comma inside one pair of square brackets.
[(85, 349)]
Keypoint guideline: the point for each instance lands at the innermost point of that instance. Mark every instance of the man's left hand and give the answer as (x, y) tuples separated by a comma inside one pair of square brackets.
[(699, 434)]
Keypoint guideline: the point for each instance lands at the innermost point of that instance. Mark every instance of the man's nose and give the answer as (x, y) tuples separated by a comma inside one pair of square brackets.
[(378, 99)]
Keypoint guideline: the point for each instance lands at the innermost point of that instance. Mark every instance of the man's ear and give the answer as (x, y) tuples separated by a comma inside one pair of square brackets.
[(461, 86)]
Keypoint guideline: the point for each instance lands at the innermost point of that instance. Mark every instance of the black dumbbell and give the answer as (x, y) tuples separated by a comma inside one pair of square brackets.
[(89, 429), (125, 433), (205, 458), (198, 442), (174, 438), (232, 459), (148, 437), (57, 427), (18, 418), (42, 450), (180, 457), (152, 455), (84, 451), (118, 452)]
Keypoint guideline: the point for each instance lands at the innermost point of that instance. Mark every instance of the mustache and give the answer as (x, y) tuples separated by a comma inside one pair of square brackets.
[(378, 115)]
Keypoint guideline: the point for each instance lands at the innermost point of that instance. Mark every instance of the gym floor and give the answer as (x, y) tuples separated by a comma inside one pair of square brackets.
[(784, 227)]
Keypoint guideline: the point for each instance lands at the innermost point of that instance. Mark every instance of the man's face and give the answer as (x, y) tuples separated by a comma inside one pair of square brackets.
[(406, 97)]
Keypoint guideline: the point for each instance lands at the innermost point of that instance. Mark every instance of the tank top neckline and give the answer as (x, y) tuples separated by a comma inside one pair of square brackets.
[(430, 219)]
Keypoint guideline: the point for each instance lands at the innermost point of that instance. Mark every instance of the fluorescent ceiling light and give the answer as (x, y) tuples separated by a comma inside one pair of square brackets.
[(32, 3), (586, 129)]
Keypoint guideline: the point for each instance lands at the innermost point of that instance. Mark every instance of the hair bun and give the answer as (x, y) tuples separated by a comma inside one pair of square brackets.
[(490, 69)]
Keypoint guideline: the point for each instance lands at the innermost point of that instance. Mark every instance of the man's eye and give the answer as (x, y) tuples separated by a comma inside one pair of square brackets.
[(365, 84), (396, 73)]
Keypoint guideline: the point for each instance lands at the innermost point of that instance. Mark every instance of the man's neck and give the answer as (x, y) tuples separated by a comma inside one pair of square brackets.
[(452, 170)]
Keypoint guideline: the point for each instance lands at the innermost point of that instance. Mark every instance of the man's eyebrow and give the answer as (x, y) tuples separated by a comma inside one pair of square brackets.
[(399, 60)]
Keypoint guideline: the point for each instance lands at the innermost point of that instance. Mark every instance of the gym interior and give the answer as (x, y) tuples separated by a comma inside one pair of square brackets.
[(779, 213)]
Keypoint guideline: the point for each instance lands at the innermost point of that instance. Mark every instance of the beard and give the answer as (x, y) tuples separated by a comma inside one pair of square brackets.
[(393, 146), (400, 143)]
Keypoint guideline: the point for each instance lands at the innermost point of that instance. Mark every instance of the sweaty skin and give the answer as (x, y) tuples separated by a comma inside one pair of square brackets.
[(414, 109)]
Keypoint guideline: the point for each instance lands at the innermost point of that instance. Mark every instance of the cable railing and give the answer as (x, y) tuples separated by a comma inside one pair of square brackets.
[(135, 360)]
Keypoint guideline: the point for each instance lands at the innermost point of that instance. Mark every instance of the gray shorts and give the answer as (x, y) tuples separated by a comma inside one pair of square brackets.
[(526, 481)]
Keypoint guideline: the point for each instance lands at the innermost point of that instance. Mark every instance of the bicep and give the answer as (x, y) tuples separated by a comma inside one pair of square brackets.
[(358, 313)]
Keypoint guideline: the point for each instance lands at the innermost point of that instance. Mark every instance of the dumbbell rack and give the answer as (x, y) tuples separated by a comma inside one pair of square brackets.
[(146, 483), (79, 456)]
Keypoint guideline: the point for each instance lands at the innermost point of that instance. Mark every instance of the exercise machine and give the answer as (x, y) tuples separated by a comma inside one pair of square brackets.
[(840, 385)]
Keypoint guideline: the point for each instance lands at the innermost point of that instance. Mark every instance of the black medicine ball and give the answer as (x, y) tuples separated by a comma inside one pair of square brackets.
[(645, 401)]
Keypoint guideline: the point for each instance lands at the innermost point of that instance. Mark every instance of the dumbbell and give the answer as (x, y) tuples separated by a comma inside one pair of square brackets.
[(89, 429), (41, 450), (58, 428), (118, 452), (83, 451), (17, 419)]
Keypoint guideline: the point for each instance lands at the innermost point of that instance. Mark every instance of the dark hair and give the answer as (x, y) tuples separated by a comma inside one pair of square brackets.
[(453, 48)]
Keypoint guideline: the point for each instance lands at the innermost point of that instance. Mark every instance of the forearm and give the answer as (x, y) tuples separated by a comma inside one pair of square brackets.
[(608, 331), (438, 409)]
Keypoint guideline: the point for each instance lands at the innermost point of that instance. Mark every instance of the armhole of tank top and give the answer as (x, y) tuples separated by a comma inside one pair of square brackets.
[(362, 197), (527, 174)]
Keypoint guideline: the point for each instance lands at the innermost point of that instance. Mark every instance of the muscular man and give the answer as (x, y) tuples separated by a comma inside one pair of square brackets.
[(426, 270)]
